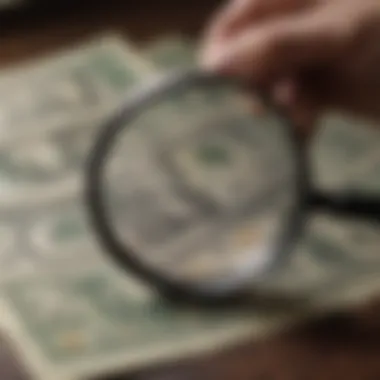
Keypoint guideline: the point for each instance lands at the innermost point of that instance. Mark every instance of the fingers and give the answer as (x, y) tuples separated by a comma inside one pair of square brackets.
[(240, 13), (281, 46), (299, 102), (220, 25), (219, 29), (285, 92), (237, 15)]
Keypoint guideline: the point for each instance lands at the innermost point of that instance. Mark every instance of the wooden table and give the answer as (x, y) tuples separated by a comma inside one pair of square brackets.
[(36, 31), (343, 347)]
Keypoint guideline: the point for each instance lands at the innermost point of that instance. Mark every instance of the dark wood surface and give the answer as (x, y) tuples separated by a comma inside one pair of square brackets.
[(341, 347), (33, 32)]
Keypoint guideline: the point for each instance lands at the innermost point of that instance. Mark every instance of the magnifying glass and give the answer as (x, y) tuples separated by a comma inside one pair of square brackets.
[(198, 196)]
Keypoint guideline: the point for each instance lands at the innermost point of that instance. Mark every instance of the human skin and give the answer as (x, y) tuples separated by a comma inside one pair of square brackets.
[(312, 55)]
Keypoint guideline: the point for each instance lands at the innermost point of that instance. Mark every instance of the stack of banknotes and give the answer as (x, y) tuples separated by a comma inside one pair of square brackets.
[(70, 313)]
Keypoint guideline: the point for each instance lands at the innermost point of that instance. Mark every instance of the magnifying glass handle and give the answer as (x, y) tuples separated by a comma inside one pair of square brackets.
[(348, 205)]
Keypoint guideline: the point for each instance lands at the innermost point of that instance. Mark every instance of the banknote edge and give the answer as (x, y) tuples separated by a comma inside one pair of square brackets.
[(40, 369)]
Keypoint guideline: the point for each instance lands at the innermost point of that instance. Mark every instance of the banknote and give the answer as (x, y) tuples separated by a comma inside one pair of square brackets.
[(43, 236), (74, 86), (64, 319), (83, 303), (47, 168), (89, 322), (48, 246), (172, 51), (344, 148), (68, 310), (177, 53), (43, 154)]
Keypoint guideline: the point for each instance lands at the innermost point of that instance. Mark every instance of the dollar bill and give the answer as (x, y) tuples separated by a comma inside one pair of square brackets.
[(43, 155), (343, 150), (176, 52), (173, 51), (92, 322), (66, 319), (74, 87), (48, 248), (86, 305), (45, 236), (69, 311)]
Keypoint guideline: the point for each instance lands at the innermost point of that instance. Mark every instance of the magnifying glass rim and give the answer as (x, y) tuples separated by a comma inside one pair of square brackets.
[(124, 256)]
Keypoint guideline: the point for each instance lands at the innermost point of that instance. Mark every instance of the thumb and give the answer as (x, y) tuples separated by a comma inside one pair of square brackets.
[(282, 46)]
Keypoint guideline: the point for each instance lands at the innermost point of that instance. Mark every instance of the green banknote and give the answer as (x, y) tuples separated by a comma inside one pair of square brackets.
[(176, 52), (79, 87), (51, 114), (343, 150), (90, 319), (66, 309), (172, 51), (67, 89)]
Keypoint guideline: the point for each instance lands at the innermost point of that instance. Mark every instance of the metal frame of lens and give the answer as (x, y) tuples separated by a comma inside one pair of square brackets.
[(169, 287)]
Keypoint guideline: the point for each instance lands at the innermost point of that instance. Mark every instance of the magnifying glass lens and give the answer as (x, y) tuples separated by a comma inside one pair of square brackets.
[(200, 188)]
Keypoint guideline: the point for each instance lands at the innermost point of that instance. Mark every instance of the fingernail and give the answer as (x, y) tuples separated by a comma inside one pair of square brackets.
[(212, 60), (216, 59)]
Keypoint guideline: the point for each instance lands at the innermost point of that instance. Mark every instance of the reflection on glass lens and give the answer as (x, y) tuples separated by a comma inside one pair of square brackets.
[(199, 187)]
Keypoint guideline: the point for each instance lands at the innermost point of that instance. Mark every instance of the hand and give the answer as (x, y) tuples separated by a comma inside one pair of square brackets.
[(313, 55)]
